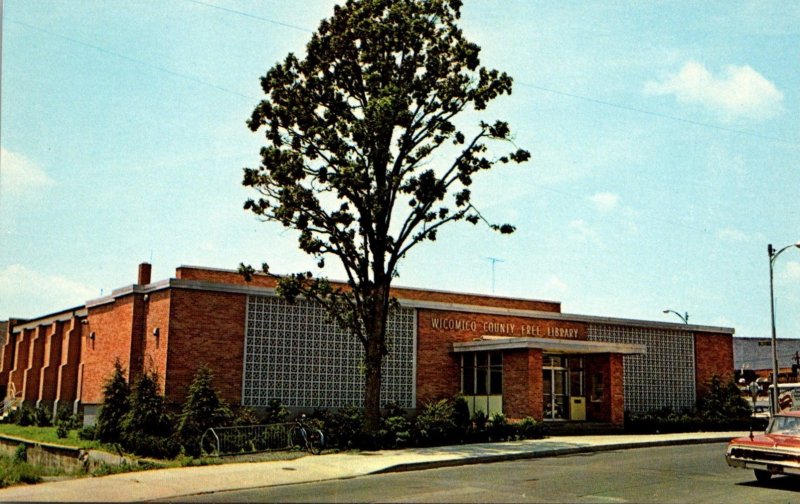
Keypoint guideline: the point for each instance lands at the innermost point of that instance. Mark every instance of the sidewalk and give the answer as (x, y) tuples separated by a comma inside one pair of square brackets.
[(171, 483)]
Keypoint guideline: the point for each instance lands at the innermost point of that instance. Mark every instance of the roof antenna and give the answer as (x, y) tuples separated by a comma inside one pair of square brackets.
[(494, 261)]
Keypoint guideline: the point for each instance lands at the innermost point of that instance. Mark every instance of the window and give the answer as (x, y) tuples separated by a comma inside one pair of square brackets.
[(482, 373)]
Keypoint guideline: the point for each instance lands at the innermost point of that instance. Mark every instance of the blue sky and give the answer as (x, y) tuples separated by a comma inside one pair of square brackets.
[(664, 140)]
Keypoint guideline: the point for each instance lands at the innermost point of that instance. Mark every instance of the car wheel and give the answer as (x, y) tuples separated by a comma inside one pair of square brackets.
[(762, 476)]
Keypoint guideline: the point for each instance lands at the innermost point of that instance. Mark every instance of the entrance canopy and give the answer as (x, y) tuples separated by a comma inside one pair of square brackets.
[(549, 345)]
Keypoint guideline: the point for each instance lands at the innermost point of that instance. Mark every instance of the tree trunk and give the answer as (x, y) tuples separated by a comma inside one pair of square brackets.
[(372, 385)]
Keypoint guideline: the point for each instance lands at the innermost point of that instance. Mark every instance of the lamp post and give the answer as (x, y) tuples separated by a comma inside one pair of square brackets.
[(772, 256), (684, 317)]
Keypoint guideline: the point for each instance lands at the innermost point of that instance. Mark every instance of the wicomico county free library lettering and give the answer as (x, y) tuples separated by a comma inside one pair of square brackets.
[(520, 357)]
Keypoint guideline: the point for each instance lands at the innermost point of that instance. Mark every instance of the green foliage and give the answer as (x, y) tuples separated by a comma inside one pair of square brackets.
[(20, 453), (499, 429), (66, 421), (25, 416), (116, 404), (87, 432), (344, 427), (14, 471), (146, 427), (42, 417), (723, 402), (276, 412), (396, 428), (201, 409), (529, 428), (352, 132), (435, 424)]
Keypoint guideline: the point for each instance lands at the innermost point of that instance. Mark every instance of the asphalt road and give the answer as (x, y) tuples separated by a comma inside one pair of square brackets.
[(690, 473)]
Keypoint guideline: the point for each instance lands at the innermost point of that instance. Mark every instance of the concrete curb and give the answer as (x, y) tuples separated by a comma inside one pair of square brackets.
[(552, 452)]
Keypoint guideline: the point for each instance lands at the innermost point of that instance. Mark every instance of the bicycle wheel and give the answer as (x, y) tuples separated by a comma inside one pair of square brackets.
[(315, 441)]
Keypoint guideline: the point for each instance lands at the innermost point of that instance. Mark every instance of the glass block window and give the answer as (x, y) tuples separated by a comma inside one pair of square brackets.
[(294, 354), (664, 376)]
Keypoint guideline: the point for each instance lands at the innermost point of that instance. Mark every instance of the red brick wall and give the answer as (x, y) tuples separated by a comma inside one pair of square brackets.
[(522, 384), (713, 356), (599, 411), (617, 389), (230, 277), (206, 328), (23, 346), (48, 378), (112, 324), (438, 368), (66, 390), (35, 361), (155, 349)]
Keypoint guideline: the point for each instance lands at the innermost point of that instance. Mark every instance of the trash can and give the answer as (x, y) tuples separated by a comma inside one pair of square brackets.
[(577, 408)]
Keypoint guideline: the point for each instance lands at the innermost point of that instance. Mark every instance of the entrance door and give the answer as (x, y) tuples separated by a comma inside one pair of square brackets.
[(555, 379)]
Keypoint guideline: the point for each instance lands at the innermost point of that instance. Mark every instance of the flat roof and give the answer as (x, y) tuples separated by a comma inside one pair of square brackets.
[(493, 343)]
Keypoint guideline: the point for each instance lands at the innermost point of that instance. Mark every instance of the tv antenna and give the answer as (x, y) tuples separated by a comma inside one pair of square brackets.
[(494, 261)]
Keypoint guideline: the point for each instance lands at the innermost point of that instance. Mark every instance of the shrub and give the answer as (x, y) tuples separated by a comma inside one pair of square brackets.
[(395, 429), (529, 428), (87, 432), (435, 424), (722, 402), (25, 416), (201, 410), (42, 417), (344, 427), (146, 427), (116, 404), (20, 454), (499, 429), (276, 412)]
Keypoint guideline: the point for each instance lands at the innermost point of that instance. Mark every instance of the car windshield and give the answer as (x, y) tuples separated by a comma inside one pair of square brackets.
[(785, 425)]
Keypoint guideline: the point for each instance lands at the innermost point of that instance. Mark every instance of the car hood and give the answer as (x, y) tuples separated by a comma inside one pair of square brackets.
[(769, 441)]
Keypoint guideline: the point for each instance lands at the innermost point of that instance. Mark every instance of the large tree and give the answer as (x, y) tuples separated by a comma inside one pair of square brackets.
[(364, 156)]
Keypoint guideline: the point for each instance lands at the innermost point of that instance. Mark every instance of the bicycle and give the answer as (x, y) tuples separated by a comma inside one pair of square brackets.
[(304, 435)]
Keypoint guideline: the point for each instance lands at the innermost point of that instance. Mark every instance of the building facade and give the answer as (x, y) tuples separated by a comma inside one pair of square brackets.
[(517, 356)]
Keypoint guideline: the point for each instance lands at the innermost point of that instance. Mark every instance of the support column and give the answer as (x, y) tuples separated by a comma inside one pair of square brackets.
[(21, 351), (48, 375), (30, 380), (67, 388), (617, 389), (522, 383)]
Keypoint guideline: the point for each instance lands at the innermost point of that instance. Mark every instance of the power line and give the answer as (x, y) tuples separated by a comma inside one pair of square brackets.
[(133, 60), (252, 16), (660, 115)]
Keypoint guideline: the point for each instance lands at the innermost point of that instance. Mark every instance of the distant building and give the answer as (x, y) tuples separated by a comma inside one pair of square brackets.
[(521, 357), (752, 358)]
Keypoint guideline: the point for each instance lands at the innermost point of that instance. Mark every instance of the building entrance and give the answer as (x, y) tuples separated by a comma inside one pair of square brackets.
[(563, 388)]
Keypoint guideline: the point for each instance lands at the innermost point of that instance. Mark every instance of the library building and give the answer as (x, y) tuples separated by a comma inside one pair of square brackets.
[(521, 357)]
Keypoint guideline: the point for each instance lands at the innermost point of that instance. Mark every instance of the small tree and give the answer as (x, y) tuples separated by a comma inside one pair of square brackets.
[(723, 402), (116, 404), (146, 427), (201, 410), (352, 130)]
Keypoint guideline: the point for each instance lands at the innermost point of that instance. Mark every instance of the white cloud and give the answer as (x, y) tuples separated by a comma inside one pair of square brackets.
[(582, 229), (732, 235), (19, 174), (605, 201), (740, 92), (793, 270), (555, 287), (28, 293)]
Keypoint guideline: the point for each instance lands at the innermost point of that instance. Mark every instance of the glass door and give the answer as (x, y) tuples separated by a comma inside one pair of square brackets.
[(555, 385)]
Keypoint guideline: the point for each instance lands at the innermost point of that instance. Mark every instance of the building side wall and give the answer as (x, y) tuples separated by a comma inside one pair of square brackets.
[(32, 373), (48, 377), (714, 357), (112, 326), (67, 382), (205, 328), (156, 334)]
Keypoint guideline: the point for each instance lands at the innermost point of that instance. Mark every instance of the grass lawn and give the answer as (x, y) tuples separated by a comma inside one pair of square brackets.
[(48, 435)]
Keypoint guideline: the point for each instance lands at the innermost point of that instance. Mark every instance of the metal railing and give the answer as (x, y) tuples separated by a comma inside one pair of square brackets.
[(218, 441), (10, 402)]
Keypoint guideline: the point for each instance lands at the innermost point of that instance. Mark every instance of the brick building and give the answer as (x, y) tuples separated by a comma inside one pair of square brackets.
[(522, 357)]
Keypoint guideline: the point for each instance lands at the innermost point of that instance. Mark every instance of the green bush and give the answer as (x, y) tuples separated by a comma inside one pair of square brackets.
[(116, 404), (87, 432), (276, 412), (395, 427), (146, 427), (25, 416), (343, 427), (42, 417), (499, 429), (435, 424), (201, 410), (722, 402), (13, 472), (20, 453), (529, 428)]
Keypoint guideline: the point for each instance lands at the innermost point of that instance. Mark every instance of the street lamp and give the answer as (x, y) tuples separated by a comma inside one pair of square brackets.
[(684, 317), (772, 256)]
